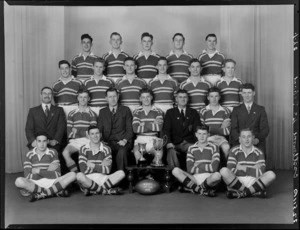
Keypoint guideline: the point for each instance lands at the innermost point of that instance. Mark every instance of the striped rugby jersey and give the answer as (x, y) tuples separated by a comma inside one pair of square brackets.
[(197, 93), (32, 160), (82, 67), (203, 161), (211, 65), (87, 155), (149, 129), (146, 67), (178, 67), (66, 93), (97, 90), (81, 121), (238, 156), (230, 93), (165, 91), (114, 65), (130, 91), (214, 121)]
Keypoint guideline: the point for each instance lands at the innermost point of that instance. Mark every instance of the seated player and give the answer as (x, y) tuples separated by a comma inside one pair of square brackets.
[(217, 118), (115, 58), (97, 86), (147, 123), (130, 85), (65, 90), (196, 86), (245, 174), (163, 87), (42, 176), (77, 125), (202, 162), (95, 164), (230, 86)]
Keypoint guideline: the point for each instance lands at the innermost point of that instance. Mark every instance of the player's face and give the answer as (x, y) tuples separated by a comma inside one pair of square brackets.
[(112, 98), (178, 42), (98, 68), (162, 66), (246, 139), (147, 43), (202, 136), (248, 95), (129, 67), (211, 43), (213, 98), (195, 69), (229, 69), (115, 41), (41, 143), (64, 70), (94, 136), (83, 99), (182, 99), (86, 45), (146, 99), (46, 96)]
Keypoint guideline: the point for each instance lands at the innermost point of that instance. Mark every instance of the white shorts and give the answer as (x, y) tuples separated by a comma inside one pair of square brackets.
[(247, 180), (98, 178), (78, 142), (45, 182), (145, 139), (200, 177), (163, 107), (217, 140), (97, 109), (212, 78), (68, 108)]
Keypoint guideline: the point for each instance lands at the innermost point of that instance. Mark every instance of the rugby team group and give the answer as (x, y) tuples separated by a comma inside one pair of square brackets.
[(105, 107)]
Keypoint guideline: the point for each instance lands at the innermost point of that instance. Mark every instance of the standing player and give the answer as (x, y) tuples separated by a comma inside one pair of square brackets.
[(179, 59), (115, 58), (230, 86), (146, 60), (42, 176), (163, 86), (97, 86), (82, 64), (95, 165), (202, 162), (130, 85), (246, 174), (196, 86), (78, 122), (65, 90), (211, 60), (217, 118)]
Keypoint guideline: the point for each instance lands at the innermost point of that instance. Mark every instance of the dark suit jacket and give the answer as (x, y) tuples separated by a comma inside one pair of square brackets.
[(55, 125), (257, 120), (123, 124), (178, 130)]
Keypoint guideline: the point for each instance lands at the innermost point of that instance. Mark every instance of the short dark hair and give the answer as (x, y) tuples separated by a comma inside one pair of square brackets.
[(111, 89), (129, 59), (229, 60), (202, 127), (63, 62), (178, 34), (80, 91), (101, 60), (41, 133), (115, 33), (146, 90), (194, 60), (86, 36), (162, 58), (246, 129), (182, 91), (248, 86), (210, 35), (213, 90), (46, 87), (92, 127), (146, 34)]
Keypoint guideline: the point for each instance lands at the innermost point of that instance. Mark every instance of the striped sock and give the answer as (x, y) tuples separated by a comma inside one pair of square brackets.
[(256, 187), (190, 184), (96, 188), (55, 188), (38, 189), (73, 168), (204, 185), (236, 184), (107, 185)]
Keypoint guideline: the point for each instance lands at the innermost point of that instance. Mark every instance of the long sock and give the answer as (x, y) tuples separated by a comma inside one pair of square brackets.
[(190, 184), (236, 184), (57, 187), (96, 188), (38, 189), (107, 184), (205, 186), (256, 187), (72, 167)]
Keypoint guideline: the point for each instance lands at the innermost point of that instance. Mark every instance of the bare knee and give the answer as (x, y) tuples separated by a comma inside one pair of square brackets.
[(20, 182), (71, 176), (66, 153), (216, 176), (80, 177), (120, 174), (176, 171), (270, 175), (224, 172)]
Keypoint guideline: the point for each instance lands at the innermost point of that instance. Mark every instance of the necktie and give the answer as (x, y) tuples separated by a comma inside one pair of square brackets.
[(182, 114), (47, 111), (249, 109), (113, 111)]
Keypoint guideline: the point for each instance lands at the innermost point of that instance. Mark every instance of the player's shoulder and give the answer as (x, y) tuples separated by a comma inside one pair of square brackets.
[(76, 57), (235, 149), (221, 54)]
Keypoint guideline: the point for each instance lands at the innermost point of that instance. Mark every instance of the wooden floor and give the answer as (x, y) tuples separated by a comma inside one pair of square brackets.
[(167, 208)]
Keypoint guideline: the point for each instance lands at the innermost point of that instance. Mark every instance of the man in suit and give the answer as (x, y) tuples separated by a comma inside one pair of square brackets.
[(252, 116), (115, 124), (179, 127)]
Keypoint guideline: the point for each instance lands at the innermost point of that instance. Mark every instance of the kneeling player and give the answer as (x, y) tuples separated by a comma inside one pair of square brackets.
[(95, 164), (202, 163), (42, 172), (246, 174)]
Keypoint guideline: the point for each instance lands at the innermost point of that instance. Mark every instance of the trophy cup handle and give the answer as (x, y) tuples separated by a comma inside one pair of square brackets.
[(165, 139)]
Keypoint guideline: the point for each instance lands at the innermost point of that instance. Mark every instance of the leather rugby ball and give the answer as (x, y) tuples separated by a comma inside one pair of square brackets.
[(147, 187)]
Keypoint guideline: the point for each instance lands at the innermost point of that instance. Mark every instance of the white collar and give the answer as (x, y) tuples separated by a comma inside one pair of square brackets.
[(156, 78), (90, 54), (205, 51), (111, 52), (44, 106), (248, 104), (252, 150), (65, 82), (103, 77), (40, 157), (220, 108), (101, 148), (173, 53), (233, 79), (142, 54)]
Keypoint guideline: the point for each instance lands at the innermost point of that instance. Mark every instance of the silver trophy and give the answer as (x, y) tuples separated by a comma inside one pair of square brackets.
[(142, 149), (158, 144)]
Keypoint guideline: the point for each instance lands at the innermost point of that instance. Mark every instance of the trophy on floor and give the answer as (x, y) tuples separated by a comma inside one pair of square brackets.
[(142, 149), (158, 144)]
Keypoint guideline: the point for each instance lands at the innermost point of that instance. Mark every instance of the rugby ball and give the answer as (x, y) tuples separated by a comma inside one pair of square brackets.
[(147, 187)]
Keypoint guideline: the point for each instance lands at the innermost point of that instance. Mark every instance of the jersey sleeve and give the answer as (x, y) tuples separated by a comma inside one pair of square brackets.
[(52, 174)]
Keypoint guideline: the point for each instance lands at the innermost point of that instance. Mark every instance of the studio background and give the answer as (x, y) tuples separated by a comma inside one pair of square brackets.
[(259, 38)]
